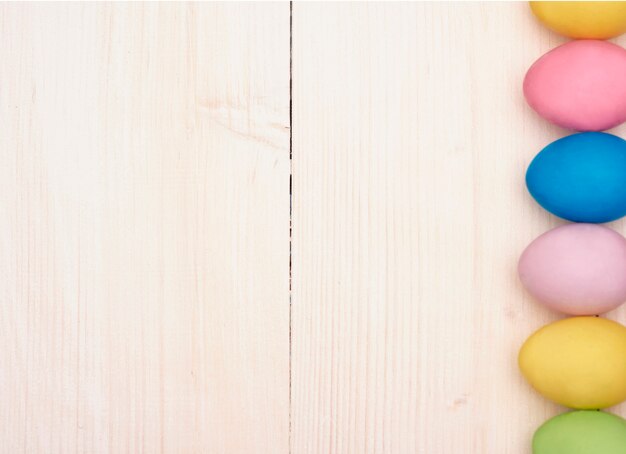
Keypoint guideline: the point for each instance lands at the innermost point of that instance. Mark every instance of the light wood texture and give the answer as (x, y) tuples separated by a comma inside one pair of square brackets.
[(144, 219), (144, 228), (410, 143)]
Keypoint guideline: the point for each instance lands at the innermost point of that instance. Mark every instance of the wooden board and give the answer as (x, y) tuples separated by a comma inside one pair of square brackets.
[(144, 219), (145, 213), (410, 143)]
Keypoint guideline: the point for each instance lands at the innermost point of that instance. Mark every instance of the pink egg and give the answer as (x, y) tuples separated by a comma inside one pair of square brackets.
[(580, 85), (578, 269)]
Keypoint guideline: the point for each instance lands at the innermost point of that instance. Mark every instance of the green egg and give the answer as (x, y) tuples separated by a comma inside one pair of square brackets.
[(581, 432)]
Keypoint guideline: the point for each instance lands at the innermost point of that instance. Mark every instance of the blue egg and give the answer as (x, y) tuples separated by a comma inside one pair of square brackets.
[(581, 178)]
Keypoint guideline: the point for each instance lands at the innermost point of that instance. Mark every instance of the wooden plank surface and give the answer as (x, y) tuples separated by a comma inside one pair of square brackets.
[(144, 228), (410, 143)]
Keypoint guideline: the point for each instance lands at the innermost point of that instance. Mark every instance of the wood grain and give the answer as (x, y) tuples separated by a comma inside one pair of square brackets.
[(144, 164), (410, 143), (145, 213)]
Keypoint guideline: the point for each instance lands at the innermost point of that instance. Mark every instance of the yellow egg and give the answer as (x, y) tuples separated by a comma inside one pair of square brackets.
[(578, 362), (583, 20)]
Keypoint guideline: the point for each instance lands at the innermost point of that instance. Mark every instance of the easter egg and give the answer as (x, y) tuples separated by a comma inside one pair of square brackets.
[(580, 85), (581, 432), (578, 362), (577, 269), (581, 178), (579, 20)]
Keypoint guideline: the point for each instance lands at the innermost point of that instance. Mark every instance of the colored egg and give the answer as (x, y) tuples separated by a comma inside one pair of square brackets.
[(578, 362), (577, 269), (592, 20), (580, 85), (581, 432), (581, 178)]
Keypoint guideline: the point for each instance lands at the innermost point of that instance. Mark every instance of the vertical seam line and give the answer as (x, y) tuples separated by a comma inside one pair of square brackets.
[(290, 206)]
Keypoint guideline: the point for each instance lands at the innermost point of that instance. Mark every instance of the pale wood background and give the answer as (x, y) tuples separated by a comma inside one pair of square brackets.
[(144, 228)]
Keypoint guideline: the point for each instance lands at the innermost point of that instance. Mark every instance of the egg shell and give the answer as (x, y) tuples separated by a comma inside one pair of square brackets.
[(578, 362), (577, 269), (581, 432), (580, 20), (581, 177), (580, 85)]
